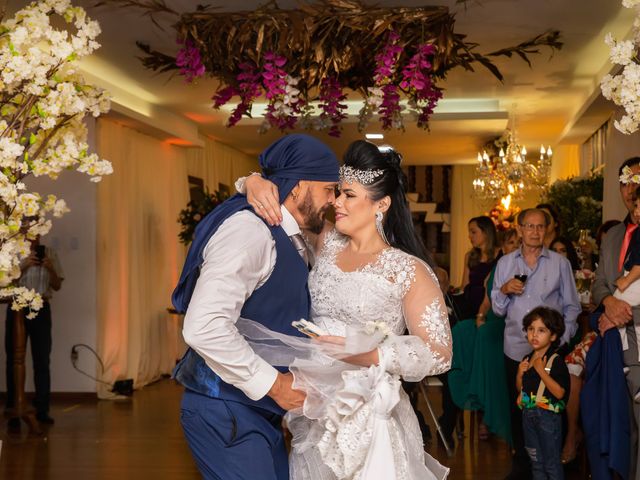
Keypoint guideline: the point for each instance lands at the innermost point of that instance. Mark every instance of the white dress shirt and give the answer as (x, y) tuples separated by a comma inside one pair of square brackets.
[(238, 259)]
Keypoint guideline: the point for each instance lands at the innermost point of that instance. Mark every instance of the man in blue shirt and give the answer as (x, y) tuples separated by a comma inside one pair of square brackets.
[(530, 277)]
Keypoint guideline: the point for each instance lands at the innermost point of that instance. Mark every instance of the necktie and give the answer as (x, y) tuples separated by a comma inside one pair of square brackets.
[(625, 244), (301, 246)]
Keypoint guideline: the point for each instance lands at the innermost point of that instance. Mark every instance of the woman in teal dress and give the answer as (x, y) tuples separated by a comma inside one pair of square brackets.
[(477, 379)]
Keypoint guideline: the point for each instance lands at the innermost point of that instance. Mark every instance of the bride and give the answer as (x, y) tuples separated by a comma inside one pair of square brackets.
[(371, 274)]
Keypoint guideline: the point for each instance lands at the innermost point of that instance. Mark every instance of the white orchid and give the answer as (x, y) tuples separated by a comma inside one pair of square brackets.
[(42, 103)]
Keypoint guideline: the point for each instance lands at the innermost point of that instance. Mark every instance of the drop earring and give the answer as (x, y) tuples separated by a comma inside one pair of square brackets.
[(380, 226)]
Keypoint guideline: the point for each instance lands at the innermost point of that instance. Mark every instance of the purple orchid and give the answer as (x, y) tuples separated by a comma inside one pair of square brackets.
[(417, 82), (189, 61), (249, 89), (386, 66), (223, 95), (332, 110), (284, 104), (390, 109)]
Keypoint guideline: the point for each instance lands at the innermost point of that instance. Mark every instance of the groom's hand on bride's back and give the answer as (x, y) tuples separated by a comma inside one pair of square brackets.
[(283, 393)]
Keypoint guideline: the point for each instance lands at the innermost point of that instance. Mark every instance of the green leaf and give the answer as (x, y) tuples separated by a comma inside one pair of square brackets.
[(32, 139), (576, 215)]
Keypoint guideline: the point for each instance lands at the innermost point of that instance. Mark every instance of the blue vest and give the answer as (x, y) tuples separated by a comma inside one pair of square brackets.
[(281, 300)]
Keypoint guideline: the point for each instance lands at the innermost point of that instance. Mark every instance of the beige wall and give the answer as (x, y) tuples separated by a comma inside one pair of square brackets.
[(566, 163)]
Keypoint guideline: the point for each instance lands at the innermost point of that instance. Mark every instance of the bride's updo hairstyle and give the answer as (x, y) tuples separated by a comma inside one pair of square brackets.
[(398, 224)]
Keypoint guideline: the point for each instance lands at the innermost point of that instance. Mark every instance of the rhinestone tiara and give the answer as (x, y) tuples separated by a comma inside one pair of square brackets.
[(365, 177)]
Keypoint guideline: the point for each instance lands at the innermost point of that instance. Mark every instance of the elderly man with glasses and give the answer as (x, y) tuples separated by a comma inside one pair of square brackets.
[(530, 277)]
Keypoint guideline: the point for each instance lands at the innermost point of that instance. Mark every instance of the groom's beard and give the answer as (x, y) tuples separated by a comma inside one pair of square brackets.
[(313, 217)]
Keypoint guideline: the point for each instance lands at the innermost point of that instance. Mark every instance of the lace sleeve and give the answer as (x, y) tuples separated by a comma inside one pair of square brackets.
[(427, 348)]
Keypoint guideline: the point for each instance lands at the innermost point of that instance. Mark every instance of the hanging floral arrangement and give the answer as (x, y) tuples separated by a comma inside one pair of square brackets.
[(304, 59), (43, 100)]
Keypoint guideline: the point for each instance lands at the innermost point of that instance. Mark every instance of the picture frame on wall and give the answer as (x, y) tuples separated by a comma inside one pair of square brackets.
[(196, 188)]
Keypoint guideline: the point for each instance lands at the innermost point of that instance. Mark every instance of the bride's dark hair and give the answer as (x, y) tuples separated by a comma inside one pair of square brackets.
[(398, 224)]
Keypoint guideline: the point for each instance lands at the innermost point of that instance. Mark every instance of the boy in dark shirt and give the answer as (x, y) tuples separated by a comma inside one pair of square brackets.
[(543, 380)]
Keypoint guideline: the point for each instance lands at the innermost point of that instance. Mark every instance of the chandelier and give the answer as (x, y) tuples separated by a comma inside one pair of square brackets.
[(507, 172)]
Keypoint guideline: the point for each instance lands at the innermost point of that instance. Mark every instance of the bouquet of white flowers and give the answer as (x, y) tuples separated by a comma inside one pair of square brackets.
[(43, 101)]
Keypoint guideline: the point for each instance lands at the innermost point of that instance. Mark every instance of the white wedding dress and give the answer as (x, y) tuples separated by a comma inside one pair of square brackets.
[(363, 427)]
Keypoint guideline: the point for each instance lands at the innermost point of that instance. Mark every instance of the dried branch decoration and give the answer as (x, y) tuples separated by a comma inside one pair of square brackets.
[(341, 40)]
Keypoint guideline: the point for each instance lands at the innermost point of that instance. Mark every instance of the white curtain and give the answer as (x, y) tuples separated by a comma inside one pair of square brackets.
[(593, 150), (139, 255), (217, 163)]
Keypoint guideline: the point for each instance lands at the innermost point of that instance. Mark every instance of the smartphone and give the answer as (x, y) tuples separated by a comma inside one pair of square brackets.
[(308, 328), (40, 252)]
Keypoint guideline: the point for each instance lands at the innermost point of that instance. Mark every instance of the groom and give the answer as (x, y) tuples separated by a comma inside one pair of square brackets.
[(238, 266)]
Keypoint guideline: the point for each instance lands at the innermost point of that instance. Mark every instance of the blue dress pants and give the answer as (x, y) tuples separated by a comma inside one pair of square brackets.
[(232, 441)]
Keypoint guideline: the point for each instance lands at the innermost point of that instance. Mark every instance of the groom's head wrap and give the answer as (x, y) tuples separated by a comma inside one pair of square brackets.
[(285, 162), (298, 157)]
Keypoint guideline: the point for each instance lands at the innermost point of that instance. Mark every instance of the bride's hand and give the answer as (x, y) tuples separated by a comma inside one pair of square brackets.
[(332, 339), (263, 196), (365, 359)]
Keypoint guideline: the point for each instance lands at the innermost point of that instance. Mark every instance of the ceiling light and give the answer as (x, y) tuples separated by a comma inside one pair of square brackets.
[(374, 136), (509, 173)]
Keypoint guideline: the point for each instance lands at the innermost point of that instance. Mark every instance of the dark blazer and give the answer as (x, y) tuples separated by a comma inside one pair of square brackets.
[(607, 272)]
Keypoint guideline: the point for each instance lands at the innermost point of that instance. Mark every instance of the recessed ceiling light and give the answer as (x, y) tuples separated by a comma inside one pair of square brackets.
[(374, 136)]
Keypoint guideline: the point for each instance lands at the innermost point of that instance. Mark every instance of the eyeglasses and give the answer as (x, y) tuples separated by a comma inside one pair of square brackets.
[(530, 227)]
